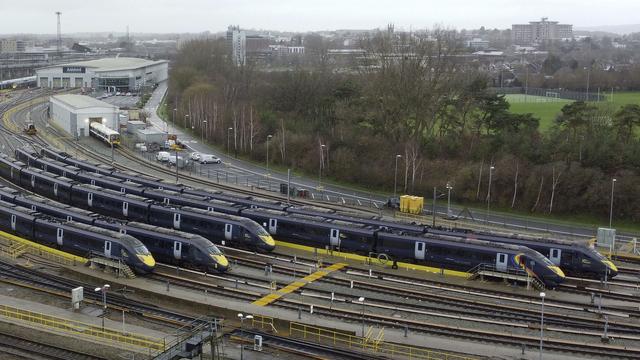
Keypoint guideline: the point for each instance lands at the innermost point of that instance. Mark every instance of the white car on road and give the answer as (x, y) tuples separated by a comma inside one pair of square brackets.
[(209, 159), (195, 156)]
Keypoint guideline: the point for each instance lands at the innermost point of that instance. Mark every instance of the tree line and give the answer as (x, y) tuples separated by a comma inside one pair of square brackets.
[(411, 96)]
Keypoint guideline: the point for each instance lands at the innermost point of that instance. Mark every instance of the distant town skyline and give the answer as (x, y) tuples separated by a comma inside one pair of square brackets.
[(172, 16)]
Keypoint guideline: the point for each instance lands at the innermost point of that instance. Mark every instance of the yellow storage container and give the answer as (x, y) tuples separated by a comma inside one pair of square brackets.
[(417, 203), (411, 204)]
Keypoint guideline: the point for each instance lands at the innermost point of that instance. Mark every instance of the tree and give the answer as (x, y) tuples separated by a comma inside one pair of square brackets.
[(625, 119), (575, 116)]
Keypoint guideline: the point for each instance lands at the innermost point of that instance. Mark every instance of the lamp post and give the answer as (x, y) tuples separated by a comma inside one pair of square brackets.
[(361, 299), (613, 185), (322, 146), (489, 192), (395, 176), (174, 117), (542, 295), (268, 138), (229, 140), (242, 318), (449, 188), (186, 116), (103, 290), (203, 130)]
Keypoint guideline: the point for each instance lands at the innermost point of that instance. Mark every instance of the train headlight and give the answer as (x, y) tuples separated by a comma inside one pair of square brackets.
[(268, 240), (557, 270), (148, 260), (220, 260), (610, 265)]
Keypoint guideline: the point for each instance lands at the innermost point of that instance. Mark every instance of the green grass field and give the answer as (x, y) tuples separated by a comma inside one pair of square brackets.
[(547, 109)]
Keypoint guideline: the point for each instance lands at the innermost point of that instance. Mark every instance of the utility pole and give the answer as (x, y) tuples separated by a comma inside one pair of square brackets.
[(59, 39)]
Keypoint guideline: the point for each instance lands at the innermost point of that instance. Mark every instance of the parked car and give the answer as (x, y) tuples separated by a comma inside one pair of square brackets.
[(118, 93), (141, 147), (181, 161), (163, 156), (209, 159), (195, 156), (128, 94)]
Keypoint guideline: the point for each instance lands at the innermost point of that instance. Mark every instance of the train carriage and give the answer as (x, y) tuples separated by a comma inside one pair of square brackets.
[(104, 133), (110, 202)]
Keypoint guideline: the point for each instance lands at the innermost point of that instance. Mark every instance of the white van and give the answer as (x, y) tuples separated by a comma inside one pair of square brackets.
[(163, 156), (181, 161), (209, 159)]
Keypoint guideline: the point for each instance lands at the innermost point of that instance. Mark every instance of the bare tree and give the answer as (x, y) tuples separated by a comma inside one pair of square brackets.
[(554, 183), (515, 185)]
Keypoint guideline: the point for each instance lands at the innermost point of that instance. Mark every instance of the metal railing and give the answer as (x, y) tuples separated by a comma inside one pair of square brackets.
[(78, 328), (18, 247), (263, 322), (347, 340)]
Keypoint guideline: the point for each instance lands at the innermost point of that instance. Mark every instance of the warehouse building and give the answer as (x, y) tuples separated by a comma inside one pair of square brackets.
[(109, 74), (74, 113)]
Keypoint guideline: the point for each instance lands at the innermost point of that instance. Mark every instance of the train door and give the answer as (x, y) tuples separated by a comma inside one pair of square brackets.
[(176, 221), (334, 237), (273, 226), (90, 199), (93, 182), (177, 250), (420, 250), (501, 261), (125, 209), (107, 249), (554, 256), (228, 231), (209, 208), (33, 181), (165, 201), (55, 189), (59, 236), (13, 222)]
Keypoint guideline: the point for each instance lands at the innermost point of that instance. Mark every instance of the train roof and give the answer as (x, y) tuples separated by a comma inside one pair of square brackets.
[(431, 238)]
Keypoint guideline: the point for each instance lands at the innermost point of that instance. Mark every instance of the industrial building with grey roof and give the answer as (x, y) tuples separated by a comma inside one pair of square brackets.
[(108, 74)]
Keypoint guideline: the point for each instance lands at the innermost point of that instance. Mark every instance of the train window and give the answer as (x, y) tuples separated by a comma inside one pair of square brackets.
[(554, 253), (420, 246), (502, 258)]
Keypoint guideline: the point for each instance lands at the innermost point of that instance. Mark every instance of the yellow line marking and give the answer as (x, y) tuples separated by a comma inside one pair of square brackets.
[(268, 299), (362, 259)]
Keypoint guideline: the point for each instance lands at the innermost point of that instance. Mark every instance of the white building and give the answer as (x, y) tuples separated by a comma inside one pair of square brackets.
[(119, 74), (237, 44), (537, 32), (74, 113)]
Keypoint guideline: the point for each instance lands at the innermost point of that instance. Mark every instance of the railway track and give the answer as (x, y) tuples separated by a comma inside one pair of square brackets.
[(27, 349)]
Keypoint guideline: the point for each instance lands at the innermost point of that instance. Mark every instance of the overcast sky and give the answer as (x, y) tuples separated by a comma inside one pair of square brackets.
[(163, 16)]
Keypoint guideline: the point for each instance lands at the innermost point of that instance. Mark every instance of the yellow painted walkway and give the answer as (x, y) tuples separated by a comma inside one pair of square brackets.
[(268, 299)]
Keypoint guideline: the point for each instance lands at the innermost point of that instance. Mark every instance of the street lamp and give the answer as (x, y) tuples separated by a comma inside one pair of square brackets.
[(321, 163), (361, 299), (186, 116), (242, 319), (103, 290), (268, 138), (203, 130), (613, 185), (229, 140), (449, 188), (174, 117), (542, 295), (489, 192), (395, 176)]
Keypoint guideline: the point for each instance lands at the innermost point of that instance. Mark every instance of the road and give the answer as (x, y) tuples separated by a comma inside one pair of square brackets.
[(245, 173)]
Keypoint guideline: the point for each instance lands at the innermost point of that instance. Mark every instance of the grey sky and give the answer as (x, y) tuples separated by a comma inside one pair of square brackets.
[(37, 16)]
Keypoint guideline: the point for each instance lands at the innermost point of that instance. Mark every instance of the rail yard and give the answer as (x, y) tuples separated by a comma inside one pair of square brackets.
[(201, 265)]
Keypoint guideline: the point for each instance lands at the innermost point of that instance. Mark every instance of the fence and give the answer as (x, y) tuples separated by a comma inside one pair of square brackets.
[(551, 93), (18, 246), (347, 340), (78, 328)]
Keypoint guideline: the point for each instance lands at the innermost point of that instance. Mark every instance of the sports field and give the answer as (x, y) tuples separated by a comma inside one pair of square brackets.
[(548, 108)]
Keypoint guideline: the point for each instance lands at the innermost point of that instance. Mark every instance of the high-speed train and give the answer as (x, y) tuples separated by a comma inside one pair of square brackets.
[(74, 237), (166, 245), (574, 258), (220, 228), (318, 232)]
